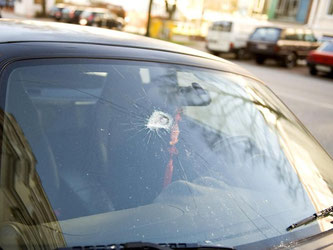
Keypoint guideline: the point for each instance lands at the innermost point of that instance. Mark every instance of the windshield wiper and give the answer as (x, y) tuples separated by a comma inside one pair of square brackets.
[(151, 246), (321, 214)]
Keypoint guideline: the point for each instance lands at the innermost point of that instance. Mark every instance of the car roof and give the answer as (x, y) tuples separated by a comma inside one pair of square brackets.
[(29, 30), (15, 31), (286, 28)]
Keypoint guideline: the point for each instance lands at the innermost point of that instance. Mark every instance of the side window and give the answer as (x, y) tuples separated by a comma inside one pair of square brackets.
[(294, 35), (222, 26), (310, 38), (299, 35), (290, 35)]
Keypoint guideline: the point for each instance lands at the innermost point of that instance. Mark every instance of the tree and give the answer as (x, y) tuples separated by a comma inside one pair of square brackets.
[(170, 9), (43, 2), (149, 17)]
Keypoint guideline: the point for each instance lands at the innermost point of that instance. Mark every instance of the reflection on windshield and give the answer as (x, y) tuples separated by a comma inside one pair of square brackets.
[(24, 205), (153, 152)]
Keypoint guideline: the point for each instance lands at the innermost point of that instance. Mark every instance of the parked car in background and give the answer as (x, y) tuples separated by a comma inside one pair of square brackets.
[(111, 140), (90, 16), (93, 16), (56, 11), (321, 59), (285, 45), (71, 14), (112, 21), (100, 17), (230, 35)]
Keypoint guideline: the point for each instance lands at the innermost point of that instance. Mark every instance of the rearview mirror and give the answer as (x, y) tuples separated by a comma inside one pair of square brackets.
[(193, 95)]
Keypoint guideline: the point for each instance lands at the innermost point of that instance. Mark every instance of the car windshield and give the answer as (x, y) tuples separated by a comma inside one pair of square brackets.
[(266, 34), (78, 12), (224, 26), (327, 47), (105, 151)]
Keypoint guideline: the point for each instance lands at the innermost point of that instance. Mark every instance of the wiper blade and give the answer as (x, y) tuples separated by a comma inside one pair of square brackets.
[(321, 214), (150, 246)]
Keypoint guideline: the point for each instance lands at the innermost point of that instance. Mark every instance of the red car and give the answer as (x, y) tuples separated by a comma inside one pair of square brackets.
[(321, 59)]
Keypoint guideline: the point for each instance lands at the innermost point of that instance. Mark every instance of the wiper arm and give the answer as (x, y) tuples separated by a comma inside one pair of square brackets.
[(151, 246), (321, 214)]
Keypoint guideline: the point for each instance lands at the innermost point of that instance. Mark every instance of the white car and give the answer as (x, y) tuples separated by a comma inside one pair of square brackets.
[(230, 35)]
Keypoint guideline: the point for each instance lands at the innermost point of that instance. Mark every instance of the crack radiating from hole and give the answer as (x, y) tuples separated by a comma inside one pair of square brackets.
[(159, 120)]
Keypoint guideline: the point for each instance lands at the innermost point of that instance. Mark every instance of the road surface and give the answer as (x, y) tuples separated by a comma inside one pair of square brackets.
[(309, 97)]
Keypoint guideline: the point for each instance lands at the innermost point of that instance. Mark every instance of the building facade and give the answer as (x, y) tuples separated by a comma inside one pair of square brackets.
[(314, 14), (321, 18), (24, 205), (30, 8), (294, 11)]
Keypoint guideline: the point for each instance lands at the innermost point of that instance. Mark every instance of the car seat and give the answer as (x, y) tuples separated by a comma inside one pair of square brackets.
[(134, 157)]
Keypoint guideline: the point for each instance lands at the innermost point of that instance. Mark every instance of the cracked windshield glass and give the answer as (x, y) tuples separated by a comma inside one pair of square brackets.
[(108, 151)]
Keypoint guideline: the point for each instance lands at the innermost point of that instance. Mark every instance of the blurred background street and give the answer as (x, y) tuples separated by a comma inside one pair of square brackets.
[(193, 23), (310, 98)]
